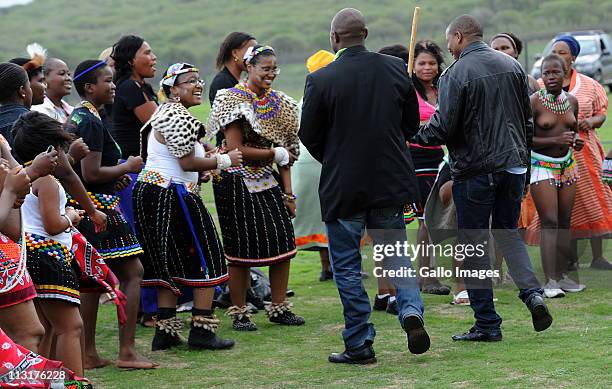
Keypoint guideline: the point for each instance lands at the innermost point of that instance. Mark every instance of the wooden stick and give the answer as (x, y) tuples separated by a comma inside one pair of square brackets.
[(415, 22)]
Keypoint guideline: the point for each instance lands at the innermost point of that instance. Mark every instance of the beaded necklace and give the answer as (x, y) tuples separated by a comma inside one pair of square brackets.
[(557, 104), (91, 108), (265, 107)]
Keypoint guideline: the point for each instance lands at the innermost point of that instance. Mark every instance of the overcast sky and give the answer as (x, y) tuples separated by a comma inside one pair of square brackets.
[(8, 3)]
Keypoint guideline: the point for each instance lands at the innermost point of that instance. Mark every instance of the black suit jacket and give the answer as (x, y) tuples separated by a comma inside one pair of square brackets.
[(357, 115)]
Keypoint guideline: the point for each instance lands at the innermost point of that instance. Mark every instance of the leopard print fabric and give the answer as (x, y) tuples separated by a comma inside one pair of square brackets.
[(279, 126), (179, 128)]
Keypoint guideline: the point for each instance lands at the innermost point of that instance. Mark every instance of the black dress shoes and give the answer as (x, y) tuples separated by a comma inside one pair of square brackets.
[(363, 355), (540, 316), (380, 303), (418, 339), (475, 335)]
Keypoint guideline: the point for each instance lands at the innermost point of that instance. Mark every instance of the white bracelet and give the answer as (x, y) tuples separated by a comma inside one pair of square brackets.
[(69, 223), (223, 161), (281, 156)]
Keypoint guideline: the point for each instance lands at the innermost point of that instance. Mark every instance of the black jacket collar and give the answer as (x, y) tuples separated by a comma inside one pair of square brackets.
[(473, 47)]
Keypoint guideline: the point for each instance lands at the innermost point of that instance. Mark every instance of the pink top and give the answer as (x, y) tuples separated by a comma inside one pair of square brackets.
[(425, 112), (425, 109)]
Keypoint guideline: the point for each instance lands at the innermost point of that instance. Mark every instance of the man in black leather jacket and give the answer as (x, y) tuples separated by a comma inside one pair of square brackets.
[(484, 118)]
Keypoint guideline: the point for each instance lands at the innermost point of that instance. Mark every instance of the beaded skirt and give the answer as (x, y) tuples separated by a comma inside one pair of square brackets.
[(256, 227), (52, 269), (171, 257), (118, 241)]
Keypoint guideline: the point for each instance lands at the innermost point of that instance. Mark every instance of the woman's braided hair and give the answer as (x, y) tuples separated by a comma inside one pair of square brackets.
[(12, 77)]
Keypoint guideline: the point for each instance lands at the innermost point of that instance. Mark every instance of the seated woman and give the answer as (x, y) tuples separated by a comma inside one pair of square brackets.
[(554, 172), (100, 172), (48, 237), (254, 209), (180, 241)]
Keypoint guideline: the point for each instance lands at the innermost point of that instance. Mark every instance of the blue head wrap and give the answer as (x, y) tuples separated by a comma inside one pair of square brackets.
[(571, 42)]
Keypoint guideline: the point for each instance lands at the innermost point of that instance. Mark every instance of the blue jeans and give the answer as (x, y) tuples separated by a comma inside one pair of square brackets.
[(385, 226), (493, 200)]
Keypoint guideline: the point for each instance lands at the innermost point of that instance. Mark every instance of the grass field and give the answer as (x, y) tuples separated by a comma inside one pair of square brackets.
[(574, 353)]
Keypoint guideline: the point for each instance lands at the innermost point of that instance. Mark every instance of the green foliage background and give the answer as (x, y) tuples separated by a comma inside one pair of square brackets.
[(191, 30)]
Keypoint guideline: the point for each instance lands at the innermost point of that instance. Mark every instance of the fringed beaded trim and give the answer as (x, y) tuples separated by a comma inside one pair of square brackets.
[(563, 173), (238, 313), (172, 326), (275, 310), (209, 323)]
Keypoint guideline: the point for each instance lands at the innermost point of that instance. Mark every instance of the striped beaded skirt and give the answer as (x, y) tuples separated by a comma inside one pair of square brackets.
[(118, 241), (52, 269), (256, 227), (171, 257)]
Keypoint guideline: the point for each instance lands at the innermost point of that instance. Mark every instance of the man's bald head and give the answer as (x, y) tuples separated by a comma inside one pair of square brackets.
[(467, 26), (461, 32), (348, 29)]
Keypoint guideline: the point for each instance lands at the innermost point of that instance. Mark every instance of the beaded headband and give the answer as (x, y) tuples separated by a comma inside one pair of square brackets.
[(89, 69), (502, 35), (252, 53), (174, 71)]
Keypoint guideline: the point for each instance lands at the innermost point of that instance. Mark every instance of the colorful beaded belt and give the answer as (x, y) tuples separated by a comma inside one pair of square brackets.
[(48, 246), (155, 178), (100, 200), (557, 166)]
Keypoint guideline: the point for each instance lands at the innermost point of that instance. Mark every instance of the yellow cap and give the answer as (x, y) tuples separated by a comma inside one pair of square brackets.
[(319, 60)]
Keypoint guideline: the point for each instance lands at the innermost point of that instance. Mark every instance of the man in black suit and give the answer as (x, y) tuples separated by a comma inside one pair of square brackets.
[(358, 113)]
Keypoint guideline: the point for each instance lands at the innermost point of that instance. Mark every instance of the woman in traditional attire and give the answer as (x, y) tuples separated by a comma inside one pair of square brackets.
[(254, 208), (181, 246), (554, 173), (101, 172)]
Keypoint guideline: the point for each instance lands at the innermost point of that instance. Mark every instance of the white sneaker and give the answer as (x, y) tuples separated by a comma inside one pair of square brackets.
[(553, 290), (569, 285)]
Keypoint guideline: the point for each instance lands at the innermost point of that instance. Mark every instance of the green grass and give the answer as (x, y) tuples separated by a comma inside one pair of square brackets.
[(575, 352)]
